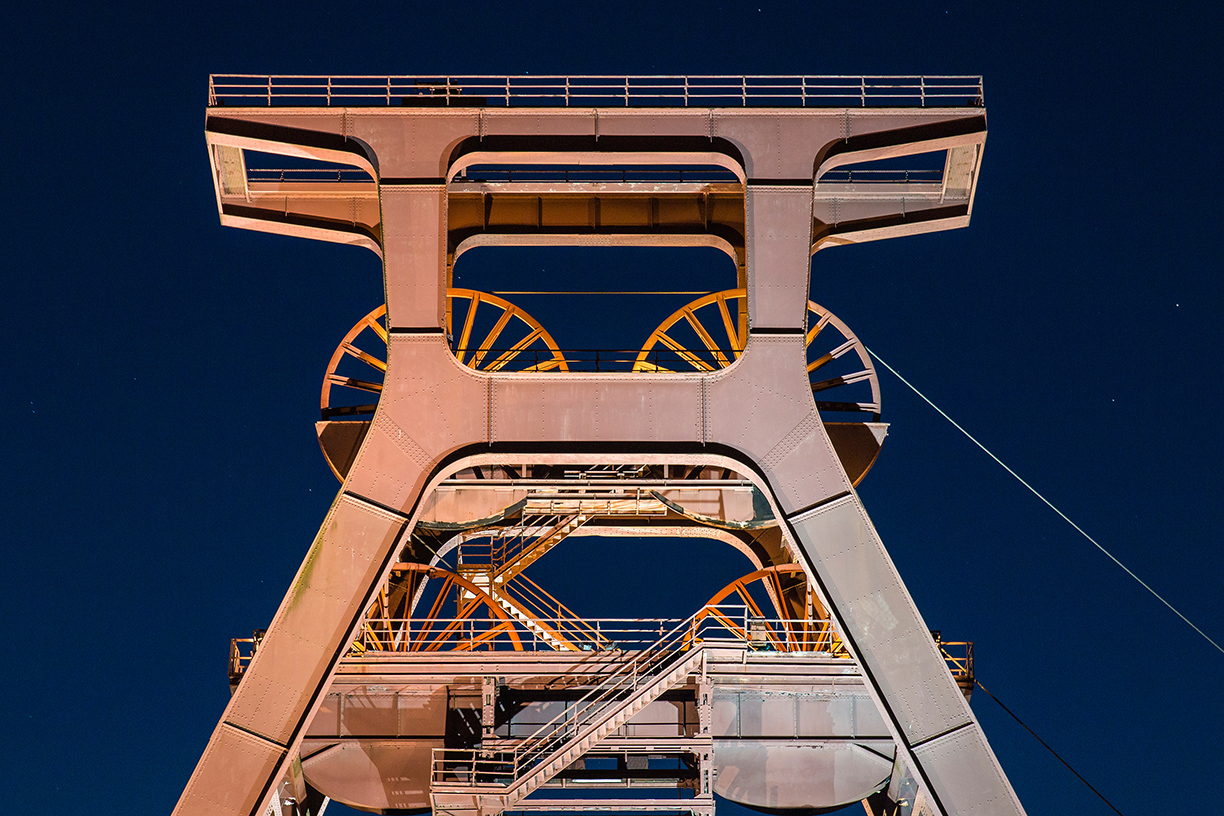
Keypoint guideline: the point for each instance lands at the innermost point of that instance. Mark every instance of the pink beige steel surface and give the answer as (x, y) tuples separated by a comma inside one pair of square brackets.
[(461, 437)]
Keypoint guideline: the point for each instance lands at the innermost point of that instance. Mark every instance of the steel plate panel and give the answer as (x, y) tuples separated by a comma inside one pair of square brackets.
[(967, 777), (783, 143), (778, 775), (430, 405), (369, 715), (559, 409), (220, 786), (785, 435), (631, 122), (326, 720), (374, 775), (414, 254), (779, 227), (724, 718), (412, 143), (892, 640), (539, 122), (313, 622)]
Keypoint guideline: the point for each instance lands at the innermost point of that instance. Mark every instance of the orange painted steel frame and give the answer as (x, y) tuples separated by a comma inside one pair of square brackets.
[(756, 416)]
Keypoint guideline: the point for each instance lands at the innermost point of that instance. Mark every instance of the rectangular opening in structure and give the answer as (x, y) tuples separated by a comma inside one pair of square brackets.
[(596, 308)]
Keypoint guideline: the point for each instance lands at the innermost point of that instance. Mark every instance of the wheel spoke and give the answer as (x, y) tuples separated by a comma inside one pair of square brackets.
[(494, 333), (376, 325), (737, 345), (684, 354), (834, 382), (820, 324), (467, 328), (514, 351), (350, 382), (365, 357), (705, 338), (849, 407)]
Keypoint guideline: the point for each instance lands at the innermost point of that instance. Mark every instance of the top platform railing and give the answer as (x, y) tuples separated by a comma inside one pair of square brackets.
[(247, 90)]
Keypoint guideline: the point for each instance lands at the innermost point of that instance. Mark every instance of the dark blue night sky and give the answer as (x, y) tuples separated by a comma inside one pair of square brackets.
[(162, 480)]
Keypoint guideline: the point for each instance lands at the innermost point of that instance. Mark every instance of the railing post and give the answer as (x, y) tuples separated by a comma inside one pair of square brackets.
[(626, 92), (922, 90), (507, 91), (686, 91), (269, 90), (567, 101), (744, 90), (329, 91), (388, 91), (863, 91)]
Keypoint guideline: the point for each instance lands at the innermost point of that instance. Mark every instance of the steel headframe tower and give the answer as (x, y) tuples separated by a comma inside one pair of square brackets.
[(841, 694)]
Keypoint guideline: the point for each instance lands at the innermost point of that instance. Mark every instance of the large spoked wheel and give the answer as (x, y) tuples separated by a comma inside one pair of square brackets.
[(710, 333), (783, 614), (354, 378), (493, 335), (705, 335), (461, 616)]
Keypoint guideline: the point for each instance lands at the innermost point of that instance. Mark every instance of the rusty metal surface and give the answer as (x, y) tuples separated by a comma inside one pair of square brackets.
[(756, 416)]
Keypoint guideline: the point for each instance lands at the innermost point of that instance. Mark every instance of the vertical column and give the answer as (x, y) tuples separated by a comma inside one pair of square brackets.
[(414, 254), (779, 241)]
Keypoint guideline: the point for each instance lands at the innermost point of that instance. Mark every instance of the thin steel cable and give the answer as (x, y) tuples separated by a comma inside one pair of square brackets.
[(1043, 742), (1047, 502)]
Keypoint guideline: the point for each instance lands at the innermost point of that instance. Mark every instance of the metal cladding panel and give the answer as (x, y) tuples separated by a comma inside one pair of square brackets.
[(414, 254), (459, 505), (763, 406), (413, 143), (374, 775), (672, 122), (362, 714), (221, 784), (891, 640), (783, 143), (538, 122), (430, 405), (770, 774), (326, 719), (779, 234), (842, 715), (286, 133), (313, 623), (860, 121), (632, 408), (966, 776), (754, 713), (843, 212)]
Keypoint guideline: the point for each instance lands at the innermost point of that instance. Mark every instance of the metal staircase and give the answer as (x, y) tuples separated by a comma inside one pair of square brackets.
[(472, 781)]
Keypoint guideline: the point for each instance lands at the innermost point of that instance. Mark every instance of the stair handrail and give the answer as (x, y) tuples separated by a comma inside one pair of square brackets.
[(638, 666), (508, 561)]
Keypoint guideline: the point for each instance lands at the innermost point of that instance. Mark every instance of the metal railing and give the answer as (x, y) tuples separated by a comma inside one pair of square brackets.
[(728, 623), (658, 359), (242, 650), (959, 657), (595, 175), (865, 176), (638, 670), (595, 91), (271, 175)]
